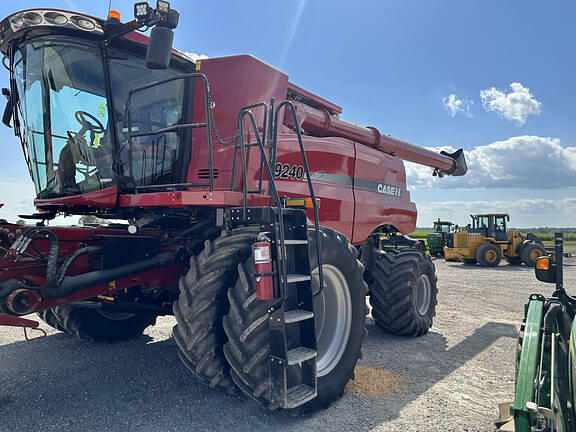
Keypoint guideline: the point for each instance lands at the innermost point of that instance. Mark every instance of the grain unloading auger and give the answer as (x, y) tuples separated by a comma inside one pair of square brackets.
[(253, 214)]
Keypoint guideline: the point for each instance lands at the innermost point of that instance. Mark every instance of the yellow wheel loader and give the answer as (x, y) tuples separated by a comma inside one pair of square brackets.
[(487, 240)]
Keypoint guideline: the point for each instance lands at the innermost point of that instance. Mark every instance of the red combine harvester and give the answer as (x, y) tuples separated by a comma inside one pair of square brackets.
[(234, 185)]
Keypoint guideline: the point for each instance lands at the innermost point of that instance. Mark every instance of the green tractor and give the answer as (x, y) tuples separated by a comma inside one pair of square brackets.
[(546, 358), (436, 240)]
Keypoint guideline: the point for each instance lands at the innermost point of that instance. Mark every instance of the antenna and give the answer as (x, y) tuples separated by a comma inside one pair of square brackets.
[(109, 7)]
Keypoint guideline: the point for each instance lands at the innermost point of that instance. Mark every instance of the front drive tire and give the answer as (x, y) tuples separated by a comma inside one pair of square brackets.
[(340, 313), (202, 304), (403, 291)]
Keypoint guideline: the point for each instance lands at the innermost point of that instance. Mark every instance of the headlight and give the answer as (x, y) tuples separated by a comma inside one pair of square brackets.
[(83, 22), (32, 18), (55, 18)]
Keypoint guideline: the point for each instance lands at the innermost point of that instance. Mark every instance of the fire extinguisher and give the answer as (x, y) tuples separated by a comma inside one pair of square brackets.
[(264, 275)]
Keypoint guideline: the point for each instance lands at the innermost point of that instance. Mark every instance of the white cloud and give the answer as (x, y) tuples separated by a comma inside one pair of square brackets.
[(516, 105), (454, 105), (194, 57), (527, 162), (18, 198), (524, 213)]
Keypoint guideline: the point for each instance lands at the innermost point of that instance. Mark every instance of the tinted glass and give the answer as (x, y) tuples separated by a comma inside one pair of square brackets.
[(153, 159), (63, 117)]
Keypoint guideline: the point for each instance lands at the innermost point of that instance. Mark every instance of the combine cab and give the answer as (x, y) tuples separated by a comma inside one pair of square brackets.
[(251, 212), (487, 240)]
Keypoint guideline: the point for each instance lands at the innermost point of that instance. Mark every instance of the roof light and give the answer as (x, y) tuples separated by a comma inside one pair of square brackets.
[(17, 21), (141, 10), (114, 14), (55, 18), (163, 7), (83, 22), (32, 18)]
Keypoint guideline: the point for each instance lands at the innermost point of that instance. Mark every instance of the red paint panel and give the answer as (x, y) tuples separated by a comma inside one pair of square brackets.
[(105, 198), (372, 208), (331, 162), (192, 198), (235, 82)]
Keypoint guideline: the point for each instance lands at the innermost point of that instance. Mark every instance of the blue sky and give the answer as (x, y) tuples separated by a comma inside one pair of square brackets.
[(395, 64)]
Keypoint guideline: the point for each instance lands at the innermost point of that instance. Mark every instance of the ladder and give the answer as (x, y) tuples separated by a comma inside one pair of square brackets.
[(293, 350)]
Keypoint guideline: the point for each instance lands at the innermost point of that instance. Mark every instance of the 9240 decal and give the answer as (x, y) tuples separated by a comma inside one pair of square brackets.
[(289, 171)]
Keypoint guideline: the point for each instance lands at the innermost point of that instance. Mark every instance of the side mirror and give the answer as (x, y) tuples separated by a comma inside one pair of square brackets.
[(159, 48), (161, 37), (7, 116), (8, 109), (545, 269)]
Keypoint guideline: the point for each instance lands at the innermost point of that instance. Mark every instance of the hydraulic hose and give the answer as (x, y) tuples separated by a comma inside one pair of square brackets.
[(72, 258), (72, 284), (52, 264)]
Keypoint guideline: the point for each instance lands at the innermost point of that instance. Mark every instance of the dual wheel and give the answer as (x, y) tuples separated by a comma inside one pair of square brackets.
[(223, 331), (222, 328)]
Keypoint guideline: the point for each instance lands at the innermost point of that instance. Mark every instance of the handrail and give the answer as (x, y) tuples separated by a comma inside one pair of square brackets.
[(208, 113), (240, 129), (273, 192), (308, 179)]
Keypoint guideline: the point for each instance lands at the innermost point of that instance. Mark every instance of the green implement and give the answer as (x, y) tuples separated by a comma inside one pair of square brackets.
[(545, 367)]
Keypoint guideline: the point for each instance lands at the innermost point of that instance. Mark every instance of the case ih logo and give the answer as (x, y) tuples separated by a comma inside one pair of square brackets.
[(391, 190)]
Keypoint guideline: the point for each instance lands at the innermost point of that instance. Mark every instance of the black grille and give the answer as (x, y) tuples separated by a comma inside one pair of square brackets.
[(204, 173)]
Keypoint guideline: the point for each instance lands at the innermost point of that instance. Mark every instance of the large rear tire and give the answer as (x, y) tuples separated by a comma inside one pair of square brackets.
[(202, 304), (531, 252), (100, 326), (403, 291), (340, 324)]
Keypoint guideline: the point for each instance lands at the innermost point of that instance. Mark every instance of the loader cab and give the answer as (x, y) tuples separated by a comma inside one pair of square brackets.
[(490, 225), (70, 77)]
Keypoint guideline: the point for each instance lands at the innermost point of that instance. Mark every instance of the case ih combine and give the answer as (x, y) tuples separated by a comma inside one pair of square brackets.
[(234, 185)]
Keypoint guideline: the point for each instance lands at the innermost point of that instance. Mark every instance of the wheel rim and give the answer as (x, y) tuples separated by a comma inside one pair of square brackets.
[(332, 318), (535, 254), (423, 294), (116, 316), (491, 256)]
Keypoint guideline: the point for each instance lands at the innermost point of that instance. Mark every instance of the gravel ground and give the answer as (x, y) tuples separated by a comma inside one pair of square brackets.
[(450, 379)]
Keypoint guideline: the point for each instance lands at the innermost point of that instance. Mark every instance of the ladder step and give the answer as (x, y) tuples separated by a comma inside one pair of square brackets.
[(297, 315), (299, 395), (295, 242), (293, 278), (299, 355)]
